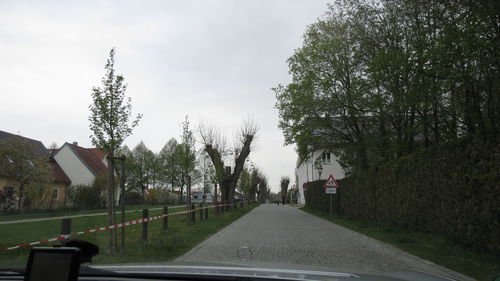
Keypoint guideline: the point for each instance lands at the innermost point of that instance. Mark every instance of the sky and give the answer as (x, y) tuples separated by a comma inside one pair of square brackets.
[(215, 61)]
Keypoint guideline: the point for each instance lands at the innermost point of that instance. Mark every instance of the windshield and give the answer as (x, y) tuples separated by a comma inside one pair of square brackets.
[(349, 136)]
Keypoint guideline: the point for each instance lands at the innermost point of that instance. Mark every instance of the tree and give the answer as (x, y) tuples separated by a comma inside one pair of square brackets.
[(140, 168), (127, 153), (186, 153), (374, 81), (20, 162), (170, 169), (215, 146), (206, 170), (263, 191), (284, 188), (244, 184), (110, 113)]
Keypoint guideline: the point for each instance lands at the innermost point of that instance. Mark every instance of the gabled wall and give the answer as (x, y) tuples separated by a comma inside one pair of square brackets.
[(73, 167), (306, 171)]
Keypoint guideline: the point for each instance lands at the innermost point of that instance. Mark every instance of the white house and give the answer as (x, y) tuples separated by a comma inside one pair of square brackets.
[(81, 165), (307, 170)]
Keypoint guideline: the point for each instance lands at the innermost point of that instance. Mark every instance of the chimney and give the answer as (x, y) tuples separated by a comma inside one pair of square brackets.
[(75, 143)]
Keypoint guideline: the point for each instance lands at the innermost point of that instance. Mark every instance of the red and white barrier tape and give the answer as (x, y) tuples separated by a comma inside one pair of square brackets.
[(119, 225)]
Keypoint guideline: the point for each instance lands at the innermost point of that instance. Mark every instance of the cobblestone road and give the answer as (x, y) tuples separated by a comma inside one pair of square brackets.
[(287, 235)]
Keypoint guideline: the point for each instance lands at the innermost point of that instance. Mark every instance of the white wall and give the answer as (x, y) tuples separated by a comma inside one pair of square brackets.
[(307, 172), (76, 171)]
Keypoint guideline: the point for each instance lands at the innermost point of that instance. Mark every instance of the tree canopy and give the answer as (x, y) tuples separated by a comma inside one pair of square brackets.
[(377, 80)]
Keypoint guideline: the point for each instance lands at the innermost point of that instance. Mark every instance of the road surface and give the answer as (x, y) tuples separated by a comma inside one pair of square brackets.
[(287, 235)]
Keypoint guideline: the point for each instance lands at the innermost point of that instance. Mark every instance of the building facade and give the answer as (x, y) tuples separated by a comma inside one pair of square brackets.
[(309, 170)]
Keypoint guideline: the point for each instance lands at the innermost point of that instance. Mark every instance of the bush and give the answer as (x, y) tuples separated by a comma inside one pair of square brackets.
[(133, 198), (167, 197), (452, 189), (90, 196), (160, 196), (151, 196), (87, 197)]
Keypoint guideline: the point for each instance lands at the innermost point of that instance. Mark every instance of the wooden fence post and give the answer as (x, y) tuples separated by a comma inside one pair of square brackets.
[(206, 213), (65, 228), (145, 225), (165, 219)]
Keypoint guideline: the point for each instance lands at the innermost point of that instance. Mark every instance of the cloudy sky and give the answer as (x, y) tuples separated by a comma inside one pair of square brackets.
[(215, 61)]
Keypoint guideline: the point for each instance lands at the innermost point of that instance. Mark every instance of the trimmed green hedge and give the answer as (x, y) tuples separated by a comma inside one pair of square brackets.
[(452, 189)]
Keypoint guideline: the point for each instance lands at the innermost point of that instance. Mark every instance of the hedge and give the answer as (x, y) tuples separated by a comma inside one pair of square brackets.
[(451, 189)]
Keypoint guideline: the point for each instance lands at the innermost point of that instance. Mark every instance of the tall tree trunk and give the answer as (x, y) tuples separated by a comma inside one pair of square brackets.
[(21, 196)]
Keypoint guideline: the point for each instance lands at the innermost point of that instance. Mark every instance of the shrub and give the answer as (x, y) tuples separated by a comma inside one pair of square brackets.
[(133, 198), (87, 197), (90, 196), (167, 197), (151, 196)]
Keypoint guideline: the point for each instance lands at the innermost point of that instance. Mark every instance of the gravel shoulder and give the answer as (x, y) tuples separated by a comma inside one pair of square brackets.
[(287, 235)]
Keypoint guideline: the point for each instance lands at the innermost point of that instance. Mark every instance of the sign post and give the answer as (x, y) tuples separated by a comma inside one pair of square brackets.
[(331, 186)]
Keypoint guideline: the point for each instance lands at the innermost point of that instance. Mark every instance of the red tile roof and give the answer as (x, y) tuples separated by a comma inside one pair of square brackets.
[(58, 174), (97, 152), (92, 157)]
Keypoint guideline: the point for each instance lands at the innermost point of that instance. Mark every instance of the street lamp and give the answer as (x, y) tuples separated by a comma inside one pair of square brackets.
[(320, 170)]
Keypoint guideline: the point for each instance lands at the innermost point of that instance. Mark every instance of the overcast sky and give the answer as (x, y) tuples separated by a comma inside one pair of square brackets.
[(212, 60)]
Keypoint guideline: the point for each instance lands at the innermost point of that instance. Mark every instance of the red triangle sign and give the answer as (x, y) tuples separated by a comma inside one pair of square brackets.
[(331, 182)]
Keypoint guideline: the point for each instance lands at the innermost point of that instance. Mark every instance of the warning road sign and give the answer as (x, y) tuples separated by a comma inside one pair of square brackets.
[(331, 183)]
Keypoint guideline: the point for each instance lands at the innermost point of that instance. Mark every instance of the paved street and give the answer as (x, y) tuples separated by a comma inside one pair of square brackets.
[(287, 235)]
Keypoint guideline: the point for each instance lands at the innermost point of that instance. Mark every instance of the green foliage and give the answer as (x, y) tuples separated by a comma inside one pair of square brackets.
[(19, 162), (110, 110), (284, 182), (142, 169), (171, 173), (374, 81), (186, 151), (89, 197), (133, 198), (452, 189), (167, 197)]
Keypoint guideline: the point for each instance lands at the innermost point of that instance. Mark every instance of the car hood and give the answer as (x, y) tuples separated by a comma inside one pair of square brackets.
[(267, 271)]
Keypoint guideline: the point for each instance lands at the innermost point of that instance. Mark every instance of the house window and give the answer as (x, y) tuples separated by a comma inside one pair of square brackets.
[(55, 194), (327, 158)]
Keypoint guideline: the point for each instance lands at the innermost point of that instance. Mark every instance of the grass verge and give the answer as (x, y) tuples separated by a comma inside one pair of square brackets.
[(160, 247), (70, 212), (436, 248)]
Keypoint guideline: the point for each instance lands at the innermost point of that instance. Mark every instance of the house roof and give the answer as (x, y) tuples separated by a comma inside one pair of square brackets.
[(40, 150), (58, 174), (91, 157), (98, 153)]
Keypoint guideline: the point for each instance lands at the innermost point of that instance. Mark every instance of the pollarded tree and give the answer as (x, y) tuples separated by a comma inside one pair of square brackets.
[(110, 123), (284, 182), (215, 145)]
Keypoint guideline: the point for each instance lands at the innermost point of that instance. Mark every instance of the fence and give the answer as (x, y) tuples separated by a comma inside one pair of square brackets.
[(191, 216)]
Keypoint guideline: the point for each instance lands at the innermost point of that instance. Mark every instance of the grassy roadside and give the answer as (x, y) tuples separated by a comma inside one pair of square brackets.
[(435, 248), (160, 247), (70, 212)]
